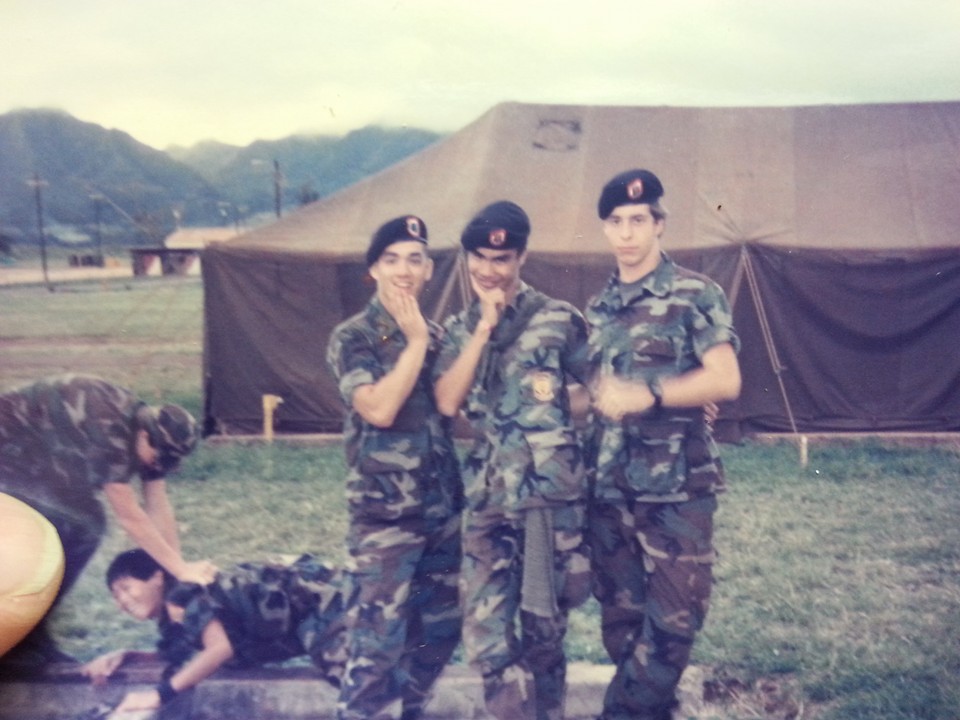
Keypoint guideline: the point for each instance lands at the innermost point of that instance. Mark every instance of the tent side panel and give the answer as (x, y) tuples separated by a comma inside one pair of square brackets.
[(267, 322), (867, 343)]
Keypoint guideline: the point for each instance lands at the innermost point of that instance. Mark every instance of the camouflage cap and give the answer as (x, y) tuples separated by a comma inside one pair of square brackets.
[(177, 434)]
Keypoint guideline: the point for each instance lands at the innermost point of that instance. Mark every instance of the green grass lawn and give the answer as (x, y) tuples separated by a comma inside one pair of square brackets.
[(146, 334), (837, 584), (841, 580)]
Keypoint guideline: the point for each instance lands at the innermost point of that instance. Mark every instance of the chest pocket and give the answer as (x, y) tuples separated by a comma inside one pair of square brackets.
[(657, 353)]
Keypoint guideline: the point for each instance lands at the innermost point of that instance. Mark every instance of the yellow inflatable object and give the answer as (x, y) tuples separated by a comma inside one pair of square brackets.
[(31, 569)]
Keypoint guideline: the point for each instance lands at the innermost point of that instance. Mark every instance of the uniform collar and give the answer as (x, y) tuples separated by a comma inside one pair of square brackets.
[(657, 283), (380, 319), (523, 291)]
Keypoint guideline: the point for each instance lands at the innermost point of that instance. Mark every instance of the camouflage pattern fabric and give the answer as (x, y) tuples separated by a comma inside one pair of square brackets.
[(407, 621), (657, 475), (526, 452), (60, 440), (404, 496), (270, 612), (362, 350), (175, 434), (652, 576), (526, 455), (518, 653), (658, 327)]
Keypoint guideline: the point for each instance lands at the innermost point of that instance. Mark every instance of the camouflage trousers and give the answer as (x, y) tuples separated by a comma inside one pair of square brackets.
[(652, 576), (406, 621), (520, 653)]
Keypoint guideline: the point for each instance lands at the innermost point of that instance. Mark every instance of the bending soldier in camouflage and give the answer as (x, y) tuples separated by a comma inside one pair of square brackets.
[(662, 346), (507, 360), (252, 614), (64, 438), (404, 492)]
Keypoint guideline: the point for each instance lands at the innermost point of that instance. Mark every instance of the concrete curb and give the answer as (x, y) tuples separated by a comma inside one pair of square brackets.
[(265, 694)]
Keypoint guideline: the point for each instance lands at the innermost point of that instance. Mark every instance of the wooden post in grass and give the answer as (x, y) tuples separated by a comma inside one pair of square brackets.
[(270, 403), (804, 457)]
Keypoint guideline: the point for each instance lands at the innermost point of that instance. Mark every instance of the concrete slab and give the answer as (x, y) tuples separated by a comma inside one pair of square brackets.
[(263, 694), (296, 694)]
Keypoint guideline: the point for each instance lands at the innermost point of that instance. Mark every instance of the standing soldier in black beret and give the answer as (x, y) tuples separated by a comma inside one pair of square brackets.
[(64, 438), (662, 347), (404, 491), (507, 361)]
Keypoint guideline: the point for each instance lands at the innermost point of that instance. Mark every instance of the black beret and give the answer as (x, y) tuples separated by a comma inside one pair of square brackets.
[(633, 187), (502, 225), (405, 227)]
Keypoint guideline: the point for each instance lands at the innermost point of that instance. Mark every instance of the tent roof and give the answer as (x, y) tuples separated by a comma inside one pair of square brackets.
[(875, 177), (796, 212)]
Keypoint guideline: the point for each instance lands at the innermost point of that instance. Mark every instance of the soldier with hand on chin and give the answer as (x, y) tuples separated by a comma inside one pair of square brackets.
[(506, 363), (404, 492)]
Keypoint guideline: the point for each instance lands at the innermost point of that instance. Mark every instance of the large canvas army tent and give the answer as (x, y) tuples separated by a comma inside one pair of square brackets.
[(835, 231)]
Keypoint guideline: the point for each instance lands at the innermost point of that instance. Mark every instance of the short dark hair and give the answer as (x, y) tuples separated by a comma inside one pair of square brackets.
[(137, 564)]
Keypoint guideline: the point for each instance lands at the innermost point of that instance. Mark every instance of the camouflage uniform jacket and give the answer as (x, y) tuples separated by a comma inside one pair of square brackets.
[(658, 327), (526, 452), (270, 613), (362, 349), (64, 437)]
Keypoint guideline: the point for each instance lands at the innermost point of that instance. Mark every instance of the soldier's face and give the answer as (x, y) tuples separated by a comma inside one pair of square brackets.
[(402, 268), (496, 269), (147, 454), (634, 235), (141, 599)]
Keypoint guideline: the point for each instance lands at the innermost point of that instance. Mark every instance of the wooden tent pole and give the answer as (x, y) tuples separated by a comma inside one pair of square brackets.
[(440, 311), (747, 267)]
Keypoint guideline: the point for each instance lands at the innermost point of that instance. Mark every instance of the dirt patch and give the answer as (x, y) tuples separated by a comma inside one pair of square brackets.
[(34, 275), (136, 363), (726, 696)]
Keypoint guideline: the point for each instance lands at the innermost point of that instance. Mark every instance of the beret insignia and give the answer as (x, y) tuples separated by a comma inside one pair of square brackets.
[(635, 188), (498, 237), (543, 387), (413, 226)]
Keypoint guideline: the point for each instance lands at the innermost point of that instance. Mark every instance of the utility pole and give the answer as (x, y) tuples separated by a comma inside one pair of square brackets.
[(230, 212), (97, 199), (277, 183), (36, 183)]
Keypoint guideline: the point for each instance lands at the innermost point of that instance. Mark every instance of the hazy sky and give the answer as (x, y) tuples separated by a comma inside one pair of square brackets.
[(180, 71)]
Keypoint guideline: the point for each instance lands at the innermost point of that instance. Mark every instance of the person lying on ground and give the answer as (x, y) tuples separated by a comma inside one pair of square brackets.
[(67, 440), (252, 614)]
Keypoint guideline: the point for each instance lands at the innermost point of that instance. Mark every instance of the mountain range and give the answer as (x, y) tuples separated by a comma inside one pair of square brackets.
[(80, 180)]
